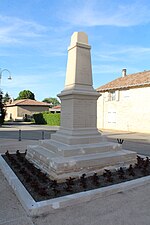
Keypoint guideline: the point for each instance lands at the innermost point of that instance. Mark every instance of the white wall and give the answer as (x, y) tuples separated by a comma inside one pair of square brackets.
[(129, 112)]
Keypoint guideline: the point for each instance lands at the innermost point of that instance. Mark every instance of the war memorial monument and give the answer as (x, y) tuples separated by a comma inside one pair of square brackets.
[(78, 147)]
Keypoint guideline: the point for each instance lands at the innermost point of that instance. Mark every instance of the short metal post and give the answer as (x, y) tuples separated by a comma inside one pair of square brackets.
[(42, 135), (120, 141), (19, 135)]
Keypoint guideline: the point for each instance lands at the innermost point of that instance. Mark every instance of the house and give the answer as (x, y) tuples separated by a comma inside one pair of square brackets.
[(24, 108), (124, 103), (55, 109)]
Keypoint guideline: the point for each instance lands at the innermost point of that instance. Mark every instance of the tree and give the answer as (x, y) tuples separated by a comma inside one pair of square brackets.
[(54, 101), (6, 98), (26, 94), (2, 110)]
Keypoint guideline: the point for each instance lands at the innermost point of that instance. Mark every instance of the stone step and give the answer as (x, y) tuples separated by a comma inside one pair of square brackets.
[(75, 166), (37, 153), (53, 146), (82, 149), (92, 157), (60, 167)]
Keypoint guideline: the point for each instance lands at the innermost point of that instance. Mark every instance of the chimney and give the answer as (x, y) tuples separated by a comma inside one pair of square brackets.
[(124, 72)]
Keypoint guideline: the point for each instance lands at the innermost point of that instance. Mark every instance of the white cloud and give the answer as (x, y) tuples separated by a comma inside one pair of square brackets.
[(32, 80), (115, 13), (31, 35), (105, 68), (122, 53), (131, 50), (14, 30), (110, 62)]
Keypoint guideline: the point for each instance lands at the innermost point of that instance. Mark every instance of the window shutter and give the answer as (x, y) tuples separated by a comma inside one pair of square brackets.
[(117, 95), (106, 97)]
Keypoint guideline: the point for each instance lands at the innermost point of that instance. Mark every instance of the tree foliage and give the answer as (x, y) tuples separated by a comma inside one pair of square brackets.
[(2, 110), (26, 94), (6, 98), (54, 101)]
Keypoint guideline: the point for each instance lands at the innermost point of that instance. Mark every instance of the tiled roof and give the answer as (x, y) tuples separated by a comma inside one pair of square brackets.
[(57, 107), (131, 80), (27, 102)]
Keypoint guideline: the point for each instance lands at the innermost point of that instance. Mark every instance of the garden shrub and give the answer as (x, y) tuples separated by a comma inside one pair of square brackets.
[(39, 119), (47, 118)]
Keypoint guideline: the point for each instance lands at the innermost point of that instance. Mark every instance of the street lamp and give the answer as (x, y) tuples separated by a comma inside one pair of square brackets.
[(1, 104), (1, 71)]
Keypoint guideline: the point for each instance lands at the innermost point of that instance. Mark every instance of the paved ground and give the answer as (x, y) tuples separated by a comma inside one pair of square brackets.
[(26, 132), (138, 142), (11, 211), (125, 208)]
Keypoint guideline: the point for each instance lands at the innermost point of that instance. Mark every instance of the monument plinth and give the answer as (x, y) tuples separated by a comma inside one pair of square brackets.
[(78, 147)]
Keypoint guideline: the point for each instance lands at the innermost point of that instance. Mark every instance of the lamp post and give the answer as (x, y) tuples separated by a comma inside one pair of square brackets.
[(1, 103)]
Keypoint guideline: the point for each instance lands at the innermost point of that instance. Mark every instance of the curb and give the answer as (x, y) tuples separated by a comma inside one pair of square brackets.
[(49, 206)]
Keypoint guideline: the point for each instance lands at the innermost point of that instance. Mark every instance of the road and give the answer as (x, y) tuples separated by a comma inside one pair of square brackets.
[(137, 142), (142, 148), (26, 132)]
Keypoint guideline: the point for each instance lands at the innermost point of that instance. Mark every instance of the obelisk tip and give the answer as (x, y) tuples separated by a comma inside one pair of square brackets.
[(80, 37)]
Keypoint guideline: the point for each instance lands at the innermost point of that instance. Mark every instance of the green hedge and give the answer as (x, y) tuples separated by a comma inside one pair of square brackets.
[(52, 119)]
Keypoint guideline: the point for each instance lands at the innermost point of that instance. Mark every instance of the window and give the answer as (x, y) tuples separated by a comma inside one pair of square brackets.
[(111, 117), (113, 96)]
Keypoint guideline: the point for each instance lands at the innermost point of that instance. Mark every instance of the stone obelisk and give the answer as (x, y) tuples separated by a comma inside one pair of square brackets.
[(78, 147), (78, 99)]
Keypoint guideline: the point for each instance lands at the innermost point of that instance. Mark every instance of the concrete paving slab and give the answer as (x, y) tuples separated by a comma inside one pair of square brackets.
[(124, 208), (18, 221), (12, 145), (11, 211), (13, 215), (127, 135)]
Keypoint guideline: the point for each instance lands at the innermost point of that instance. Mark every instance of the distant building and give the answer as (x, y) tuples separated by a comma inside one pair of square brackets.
[(124, 103), (55, 109), (20, 109)]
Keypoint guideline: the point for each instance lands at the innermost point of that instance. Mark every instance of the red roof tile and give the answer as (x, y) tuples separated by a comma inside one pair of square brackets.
[(27, 102), (131, 80), (57, 107)]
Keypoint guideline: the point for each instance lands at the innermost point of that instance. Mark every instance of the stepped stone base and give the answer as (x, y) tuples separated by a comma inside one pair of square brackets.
[(60, 160)]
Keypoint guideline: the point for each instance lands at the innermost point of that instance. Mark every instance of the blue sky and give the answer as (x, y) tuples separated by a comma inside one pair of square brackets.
[(35, 35)]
